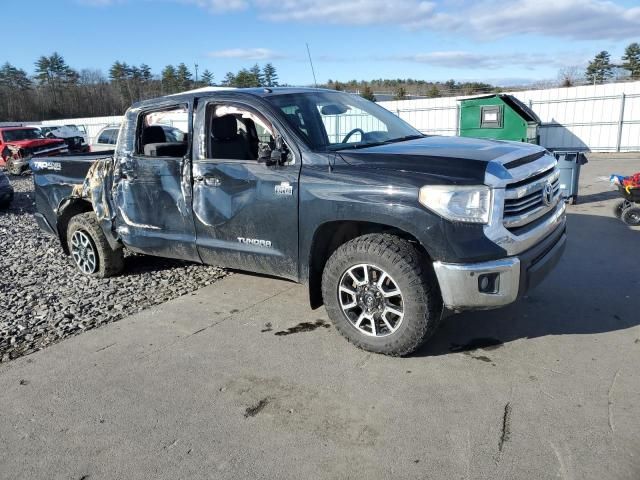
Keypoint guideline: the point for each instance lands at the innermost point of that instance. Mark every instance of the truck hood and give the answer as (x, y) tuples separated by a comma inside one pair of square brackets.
[(39, 142), (452, 159)]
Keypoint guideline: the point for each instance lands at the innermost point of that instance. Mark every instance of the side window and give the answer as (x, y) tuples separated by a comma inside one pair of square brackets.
[(105, 136), (162, 133), (237, 133), (113, 136)]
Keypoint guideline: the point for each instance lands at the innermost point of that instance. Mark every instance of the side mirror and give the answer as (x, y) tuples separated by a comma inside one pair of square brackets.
[(270, 157)]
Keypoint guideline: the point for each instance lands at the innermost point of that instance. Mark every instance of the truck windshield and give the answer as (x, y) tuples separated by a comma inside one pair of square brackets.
[(21, 134), (337, 120)]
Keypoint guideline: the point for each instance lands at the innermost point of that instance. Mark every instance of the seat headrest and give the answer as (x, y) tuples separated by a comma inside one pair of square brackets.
[(294, 120), (153, 134), (224, 128)]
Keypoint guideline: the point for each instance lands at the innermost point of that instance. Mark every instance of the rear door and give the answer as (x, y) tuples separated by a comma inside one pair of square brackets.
[(153, 188), (245, 212)]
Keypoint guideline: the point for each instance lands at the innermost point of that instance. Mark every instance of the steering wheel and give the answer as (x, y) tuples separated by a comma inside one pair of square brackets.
[(348, 135)]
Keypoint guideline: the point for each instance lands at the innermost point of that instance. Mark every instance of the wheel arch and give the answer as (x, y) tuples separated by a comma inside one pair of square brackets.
[(329, 236), (67, 209)]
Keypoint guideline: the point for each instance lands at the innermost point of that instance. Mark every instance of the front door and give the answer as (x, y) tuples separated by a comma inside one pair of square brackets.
[(245, 212), (152, 187)]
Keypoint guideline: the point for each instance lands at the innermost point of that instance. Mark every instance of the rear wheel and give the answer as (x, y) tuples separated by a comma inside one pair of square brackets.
[(89, 249), (631, 216), (619, 207), (381, 294)]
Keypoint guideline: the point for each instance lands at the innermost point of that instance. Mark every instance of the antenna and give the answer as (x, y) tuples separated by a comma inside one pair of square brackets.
[(315, 82)]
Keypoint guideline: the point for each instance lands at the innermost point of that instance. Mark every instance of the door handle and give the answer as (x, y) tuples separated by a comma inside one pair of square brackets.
[(208, 181)]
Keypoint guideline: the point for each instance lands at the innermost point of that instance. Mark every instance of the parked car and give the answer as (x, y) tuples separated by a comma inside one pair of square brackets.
[(389, 228), (106, 139), (6, 191), (72, 136), (19, 144)]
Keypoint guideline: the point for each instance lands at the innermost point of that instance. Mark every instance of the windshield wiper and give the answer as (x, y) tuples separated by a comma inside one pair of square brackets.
[(376, 144), (404, 139)]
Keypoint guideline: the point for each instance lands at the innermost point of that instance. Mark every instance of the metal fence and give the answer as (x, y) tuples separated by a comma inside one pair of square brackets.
[(599, 118)]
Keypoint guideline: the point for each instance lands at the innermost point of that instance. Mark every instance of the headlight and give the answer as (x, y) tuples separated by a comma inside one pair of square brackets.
[(470, 204)]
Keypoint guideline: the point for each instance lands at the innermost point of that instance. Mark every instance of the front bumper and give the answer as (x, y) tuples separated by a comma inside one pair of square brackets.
[(511, 277)]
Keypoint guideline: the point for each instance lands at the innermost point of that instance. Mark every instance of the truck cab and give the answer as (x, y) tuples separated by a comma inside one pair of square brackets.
[(389, 228)]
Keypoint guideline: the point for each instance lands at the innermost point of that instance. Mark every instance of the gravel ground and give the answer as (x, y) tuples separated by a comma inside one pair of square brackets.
[(44, 299)]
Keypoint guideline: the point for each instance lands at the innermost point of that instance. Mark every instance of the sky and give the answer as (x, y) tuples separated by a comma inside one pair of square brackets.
[(504, 42)]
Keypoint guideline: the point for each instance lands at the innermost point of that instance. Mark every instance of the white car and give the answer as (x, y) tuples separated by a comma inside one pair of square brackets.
[(105, 139)]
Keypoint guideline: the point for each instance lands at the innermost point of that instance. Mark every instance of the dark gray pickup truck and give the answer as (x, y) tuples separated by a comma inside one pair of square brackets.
[(390, 229)]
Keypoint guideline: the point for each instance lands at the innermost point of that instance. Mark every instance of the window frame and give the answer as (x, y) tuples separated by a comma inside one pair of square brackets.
[(491, 108), (139, 148), (209, 109)]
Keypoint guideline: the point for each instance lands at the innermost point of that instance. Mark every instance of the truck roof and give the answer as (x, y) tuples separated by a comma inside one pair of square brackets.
[(257, 92)]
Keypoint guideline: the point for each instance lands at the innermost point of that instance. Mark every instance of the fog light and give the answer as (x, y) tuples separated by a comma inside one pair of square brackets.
[(489, 282)]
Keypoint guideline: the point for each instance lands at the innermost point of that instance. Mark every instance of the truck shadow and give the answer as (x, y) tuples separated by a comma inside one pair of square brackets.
[(594, 289)]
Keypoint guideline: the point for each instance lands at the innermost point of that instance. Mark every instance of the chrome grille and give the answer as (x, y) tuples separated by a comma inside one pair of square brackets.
[(526, 202)]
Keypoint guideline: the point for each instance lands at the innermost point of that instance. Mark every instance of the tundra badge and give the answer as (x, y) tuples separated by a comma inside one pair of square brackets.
[(284, 188)]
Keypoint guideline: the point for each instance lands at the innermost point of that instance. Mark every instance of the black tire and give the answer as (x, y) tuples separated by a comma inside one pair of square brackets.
[(631, 216), (412, 275), (4, 205), (12, 168), (619, 207), (108, 262)]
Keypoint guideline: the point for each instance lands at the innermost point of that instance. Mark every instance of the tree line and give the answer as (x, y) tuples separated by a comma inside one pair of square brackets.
[(55, 90), (402, 88), (602, 69)]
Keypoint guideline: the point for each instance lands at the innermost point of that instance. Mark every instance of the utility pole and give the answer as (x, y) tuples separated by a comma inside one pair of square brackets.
[(196, 65)]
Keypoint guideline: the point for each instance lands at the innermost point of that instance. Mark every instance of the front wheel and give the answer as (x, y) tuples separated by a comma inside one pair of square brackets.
[(381, 294), (89, 248)]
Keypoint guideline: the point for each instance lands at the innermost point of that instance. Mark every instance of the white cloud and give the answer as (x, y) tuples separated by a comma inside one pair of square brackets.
[(247, 54), (220, 6), (477, 19), (471, 60), (577, 19)]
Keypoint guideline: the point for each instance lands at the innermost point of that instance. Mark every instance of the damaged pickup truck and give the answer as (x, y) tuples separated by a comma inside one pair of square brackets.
[(389, 228), (19, 144)]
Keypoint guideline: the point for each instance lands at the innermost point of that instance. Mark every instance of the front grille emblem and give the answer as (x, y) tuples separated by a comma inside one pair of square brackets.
[(547, 194)]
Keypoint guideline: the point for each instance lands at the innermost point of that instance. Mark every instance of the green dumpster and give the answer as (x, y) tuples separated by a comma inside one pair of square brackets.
[(499, 116)]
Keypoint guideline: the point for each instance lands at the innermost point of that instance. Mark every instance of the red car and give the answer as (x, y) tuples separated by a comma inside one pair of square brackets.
[(19, 144)]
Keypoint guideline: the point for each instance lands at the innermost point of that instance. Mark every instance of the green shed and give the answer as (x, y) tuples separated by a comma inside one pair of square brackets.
[(499, 116)]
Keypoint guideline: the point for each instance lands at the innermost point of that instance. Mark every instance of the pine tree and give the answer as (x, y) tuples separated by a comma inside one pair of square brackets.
[(433, 92), (367, 93), (400, 93), (246, 79), (53, 73), (14, 78), (207, 78), (631, 59), (257, 74), (169, 80), (270, 76), (145, 73), (183, 77), (600, 68), (229, 80)]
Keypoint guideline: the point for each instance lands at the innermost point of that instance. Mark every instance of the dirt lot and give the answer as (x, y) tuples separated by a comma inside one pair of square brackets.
[(242, 380)]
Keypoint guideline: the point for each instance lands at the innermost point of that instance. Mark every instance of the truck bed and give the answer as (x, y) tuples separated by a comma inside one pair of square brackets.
[(59, 178)]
